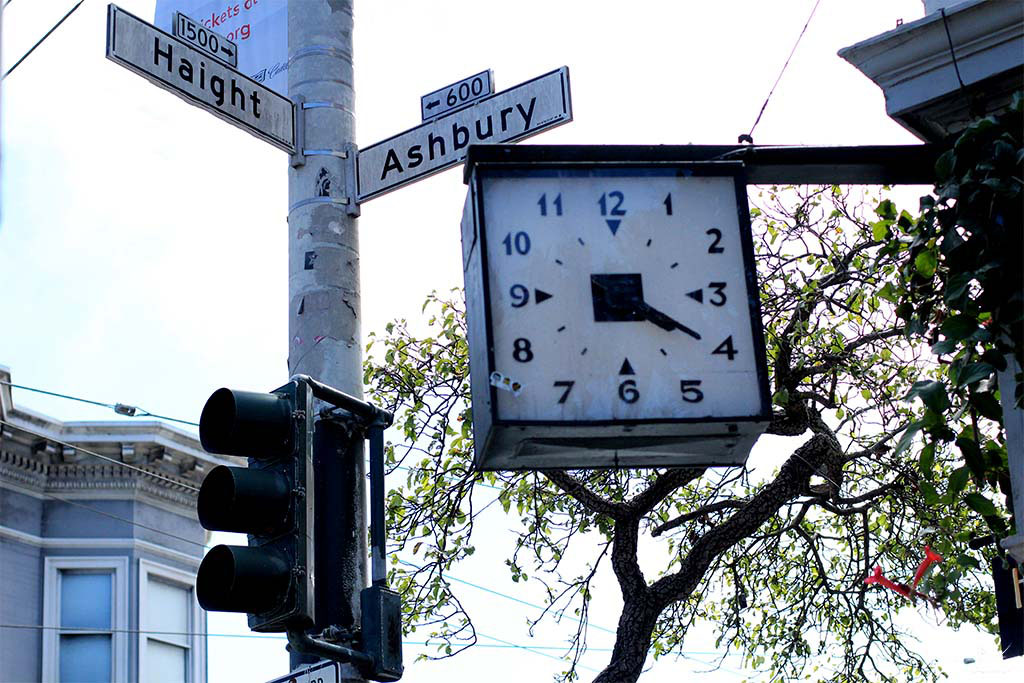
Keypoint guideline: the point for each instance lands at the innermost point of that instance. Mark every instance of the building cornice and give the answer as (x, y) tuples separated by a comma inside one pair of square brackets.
[(914, 67)]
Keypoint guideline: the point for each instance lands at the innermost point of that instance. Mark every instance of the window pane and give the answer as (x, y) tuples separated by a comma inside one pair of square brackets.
[(85, 659), (165, 663), (85, 600), (167, 608)]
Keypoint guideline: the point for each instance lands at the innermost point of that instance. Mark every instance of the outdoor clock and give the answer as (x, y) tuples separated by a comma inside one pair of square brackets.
[(612, 308)]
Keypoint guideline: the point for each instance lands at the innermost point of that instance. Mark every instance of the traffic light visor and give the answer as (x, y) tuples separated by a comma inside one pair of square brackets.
[(239, 579), (244, 500), (247, 423)]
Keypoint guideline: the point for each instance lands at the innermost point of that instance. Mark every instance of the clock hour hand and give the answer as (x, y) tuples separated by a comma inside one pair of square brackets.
[(663, 320), (619, 297)]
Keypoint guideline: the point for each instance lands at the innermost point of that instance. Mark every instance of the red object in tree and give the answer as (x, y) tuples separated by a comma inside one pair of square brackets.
[(877, 577), (930, 558)]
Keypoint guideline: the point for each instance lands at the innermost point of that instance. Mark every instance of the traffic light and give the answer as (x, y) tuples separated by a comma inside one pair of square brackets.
[(271, 500)]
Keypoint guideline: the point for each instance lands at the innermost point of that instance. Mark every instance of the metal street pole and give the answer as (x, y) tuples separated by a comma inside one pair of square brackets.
[(323, 283)]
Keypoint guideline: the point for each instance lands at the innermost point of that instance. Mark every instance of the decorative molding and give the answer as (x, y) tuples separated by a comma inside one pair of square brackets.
[(71, 480), (913, 66)]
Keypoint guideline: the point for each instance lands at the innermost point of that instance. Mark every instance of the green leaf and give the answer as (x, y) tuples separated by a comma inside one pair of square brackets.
[(967, 562), (957, 286), (972, 456), (931, 497), (987, 405), (889, 293), (945, 346), (959, 327), (926, 262), (908, 437), (926, 463), (886, 209), (880, 230), (931, 393), (973, 373), (944, 165), (957, 482), (980, 504), (781, 397)]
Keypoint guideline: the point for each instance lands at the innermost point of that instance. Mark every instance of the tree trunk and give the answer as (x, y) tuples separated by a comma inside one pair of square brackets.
[(632, 640)]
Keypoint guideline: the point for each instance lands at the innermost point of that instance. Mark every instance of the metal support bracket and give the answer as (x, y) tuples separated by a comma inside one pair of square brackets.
[(351, 168), (299, 157)]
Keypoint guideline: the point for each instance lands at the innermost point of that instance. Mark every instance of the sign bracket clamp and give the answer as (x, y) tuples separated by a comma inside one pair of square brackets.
[(349, 154)]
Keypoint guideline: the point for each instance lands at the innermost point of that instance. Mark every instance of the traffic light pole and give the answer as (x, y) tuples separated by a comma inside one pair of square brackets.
[(324, 338)]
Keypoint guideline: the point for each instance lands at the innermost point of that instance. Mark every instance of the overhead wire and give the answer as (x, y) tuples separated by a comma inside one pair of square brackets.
[(749, 137), (40, 41), (119, 408), (562, 613), (94, 454)]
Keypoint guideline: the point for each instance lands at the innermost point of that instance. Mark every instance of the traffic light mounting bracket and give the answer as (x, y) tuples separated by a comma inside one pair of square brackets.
[(380, 653)]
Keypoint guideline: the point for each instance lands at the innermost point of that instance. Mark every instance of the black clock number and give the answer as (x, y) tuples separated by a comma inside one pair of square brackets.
[(543, 204), (617, 209), (521, 350), (668, 204), (518, 242), (714, 248), (628, 391), (719, 295), (725, 349), (567, 385), (520, 296), (691, 394)]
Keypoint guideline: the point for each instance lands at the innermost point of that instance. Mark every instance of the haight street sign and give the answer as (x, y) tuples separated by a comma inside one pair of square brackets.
[(198, 79), (507, 116)]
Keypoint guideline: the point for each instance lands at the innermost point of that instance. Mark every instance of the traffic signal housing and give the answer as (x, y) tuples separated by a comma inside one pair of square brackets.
[(271, 500)]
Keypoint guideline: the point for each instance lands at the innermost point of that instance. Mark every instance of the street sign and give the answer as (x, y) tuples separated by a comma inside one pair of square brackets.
[(192, 75), (326, 672), (457, 95), (205, 40), (507, 116)]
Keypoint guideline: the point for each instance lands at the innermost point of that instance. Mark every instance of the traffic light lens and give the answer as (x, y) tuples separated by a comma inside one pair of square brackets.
[(239, 579), (246, 423), (244, 500)]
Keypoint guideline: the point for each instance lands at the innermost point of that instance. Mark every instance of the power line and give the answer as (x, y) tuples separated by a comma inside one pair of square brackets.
[(535, 651), (561, 613), (40, 41), (499, 645), (119, 408), (749, 137), (123, 519), (115, 461)]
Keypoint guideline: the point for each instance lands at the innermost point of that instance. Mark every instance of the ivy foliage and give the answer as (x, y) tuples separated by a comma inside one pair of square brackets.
[(772, 555), (961, 288)]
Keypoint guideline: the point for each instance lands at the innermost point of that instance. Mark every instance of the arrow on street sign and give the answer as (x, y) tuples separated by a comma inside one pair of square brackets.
[(192, 75), (507, 116), (205, 40), (457, 95)]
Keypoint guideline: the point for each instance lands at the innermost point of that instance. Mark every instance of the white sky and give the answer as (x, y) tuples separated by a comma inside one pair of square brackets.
[(143, 241)]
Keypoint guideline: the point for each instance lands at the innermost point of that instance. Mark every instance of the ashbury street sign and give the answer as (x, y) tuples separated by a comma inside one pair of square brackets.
[(194, 76), (507, 116)]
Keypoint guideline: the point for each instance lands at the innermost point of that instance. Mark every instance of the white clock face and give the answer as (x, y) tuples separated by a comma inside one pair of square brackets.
[(619, 294)]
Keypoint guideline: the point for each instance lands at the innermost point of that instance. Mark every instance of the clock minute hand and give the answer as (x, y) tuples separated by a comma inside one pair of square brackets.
[(663, 320)]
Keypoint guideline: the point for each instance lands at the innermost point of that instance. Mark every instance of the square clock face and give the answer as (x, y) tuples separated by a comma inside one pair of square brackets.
[(620, 295)]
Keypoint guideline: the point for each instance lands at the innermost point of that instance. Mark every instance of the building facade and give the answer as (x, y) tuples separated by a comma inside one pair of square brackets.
[(99, 549)]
